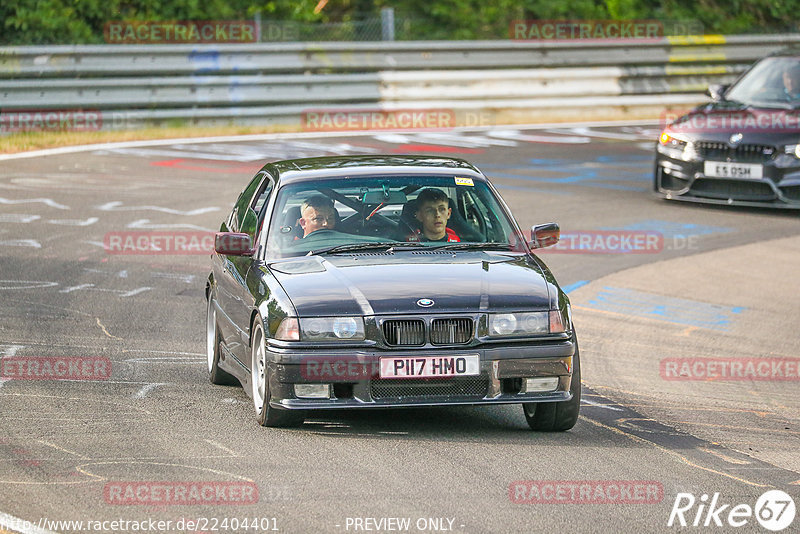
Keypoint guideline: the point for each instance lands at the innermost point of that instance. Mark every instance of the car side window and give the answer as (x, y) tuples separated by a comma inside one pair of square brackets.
[(230, 222), (483, 219), (240, 218), (260, 200)]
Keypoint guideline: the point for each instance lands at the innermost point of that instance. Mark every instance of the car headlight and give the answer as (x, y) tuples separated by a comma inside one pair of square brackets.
[(794, 150), (672, 142), (332, 328), (525, 324)]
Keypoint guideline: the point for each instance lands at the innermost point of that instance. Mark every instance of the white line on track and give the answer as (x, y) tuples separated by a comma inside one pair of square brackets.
[(165, 352), (21, 243), (74, 222), (302, 135), (47, 201), (599, 405), (18, 218), (8, 350), (142, 393), (62, 449), (145, 223), (117, 206), (188, 278), (516, 135), (221, 447)]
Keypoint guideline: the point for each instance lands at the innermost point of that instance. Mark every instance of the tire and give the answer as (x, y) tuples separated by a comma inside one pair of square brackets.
[(557, 416), (215, 374), (266, 415)]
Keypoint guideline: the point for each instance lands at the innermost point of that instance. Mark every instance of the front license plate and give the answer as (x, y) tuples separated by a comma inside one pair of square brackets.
[(721, 169), (430, 366)]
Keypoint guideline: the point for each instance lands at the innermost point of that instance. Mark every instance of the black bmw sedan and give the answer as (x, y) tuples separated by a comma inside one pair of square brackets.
[(743, 147), (382, 282)]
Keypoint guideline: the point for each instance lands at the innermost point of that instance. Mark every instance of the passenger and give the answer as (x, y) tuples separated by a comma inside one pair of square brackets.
[(433, 212), (317, 213)]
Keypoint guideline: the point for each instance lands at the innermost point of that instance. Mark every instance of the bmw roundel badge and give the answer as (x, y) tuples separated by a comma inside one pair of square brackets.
[(425, 303)]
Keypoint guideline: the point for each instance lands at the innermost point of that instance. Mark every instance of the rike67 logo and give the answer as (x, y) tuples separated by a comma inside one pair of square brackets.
[(774, 510)]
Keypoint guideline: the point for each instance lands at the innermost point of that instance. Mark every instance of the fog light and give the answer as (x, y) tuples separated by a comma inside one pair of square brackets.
[(312, 391), (539, 385)]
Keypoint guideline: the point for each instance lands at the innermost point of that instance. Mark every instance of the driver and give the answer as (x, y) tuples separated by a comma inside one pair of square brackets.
[(317, 213), (433, 212), (791, 82)]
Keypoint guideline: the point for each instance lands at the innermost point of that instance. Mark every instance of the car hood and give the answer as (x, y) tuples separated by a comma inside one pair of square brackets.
[(717, 121), (367, 284)]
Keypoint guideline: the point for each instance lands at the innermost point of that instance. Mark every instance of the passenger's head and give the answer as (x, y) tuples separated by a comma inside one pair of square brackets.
[(791, 79), (317, 213), (433, 212)]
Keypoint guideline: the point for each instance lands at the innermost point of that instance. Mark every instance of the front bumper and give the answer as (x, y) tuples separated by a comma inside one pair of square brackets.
[(355, 381), (677, 179)]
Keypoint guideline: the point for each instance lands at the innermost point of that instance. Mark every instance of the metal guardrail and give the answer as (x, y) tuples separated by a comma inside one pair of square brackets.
[(189, 91), (196, 82)]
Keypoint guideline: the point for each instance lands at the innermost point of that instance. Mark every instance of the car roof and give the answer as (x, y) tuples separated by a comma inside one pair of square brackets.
[(332, 166)]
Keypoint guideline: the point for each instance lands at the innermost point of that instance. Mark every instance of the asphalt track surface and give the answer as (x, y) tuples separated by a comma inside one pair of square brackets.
[(722, 283)]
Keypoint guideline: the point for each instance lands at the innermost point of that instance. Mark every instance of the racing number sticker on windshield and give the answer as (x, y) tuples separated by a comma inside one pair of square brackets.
[(464, 181)]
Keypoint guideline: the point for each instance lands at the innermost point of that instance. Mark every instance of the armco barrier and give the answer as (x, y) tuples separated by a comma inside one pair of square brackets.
[(518, 81)]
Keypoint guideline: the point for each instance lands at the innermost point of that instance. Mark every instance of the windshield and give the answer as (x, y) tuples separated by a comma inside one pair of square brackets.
[(773, 82), (341, 214)]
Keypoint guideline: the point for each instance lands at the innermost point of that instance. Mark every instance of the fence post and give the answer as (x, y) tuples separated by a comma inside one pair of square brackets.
[(387, 24)]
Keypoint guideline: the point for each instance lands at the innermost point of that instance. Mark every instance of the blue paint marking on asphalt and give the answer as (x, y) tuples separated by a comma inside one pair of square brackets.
[(590, 179), (618, 159), (625, 173), (572, 287), (674, 229), (670, 309), (541, 161)]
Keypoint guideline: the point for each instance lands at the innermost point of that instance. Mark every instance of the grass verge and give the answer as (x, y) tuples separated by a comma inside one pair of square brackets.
[(25, 141)]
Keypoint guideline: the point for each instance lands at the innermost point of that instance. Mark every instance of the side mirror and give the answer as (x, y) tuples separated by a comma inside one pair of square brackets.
[(233, 244), (717, 91), (544, 235)]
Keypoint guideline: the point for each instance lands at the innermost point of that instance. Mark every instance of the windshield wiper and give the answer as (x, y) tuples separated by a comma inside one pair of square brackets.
[(387, 245), (478, 246)]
